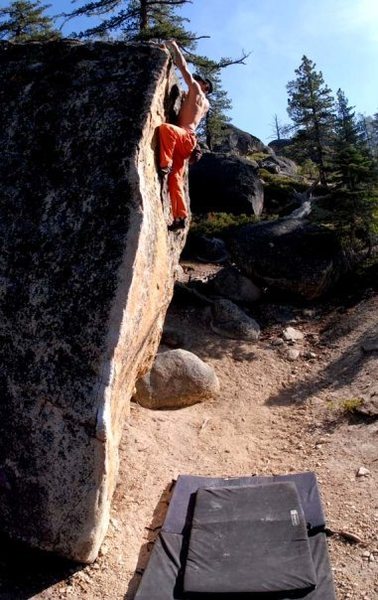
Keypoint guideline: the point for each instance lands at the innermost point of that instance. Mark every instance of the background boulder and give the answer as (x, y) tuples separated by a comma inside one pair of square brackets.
[(279, 165), (225, 183), (239, 142), (231, 284), (290, 256), (228, 320)]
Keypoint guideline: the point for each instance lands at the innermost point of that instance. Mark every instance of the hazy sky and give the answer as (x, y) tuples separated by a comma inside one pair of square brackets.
[(340, 36)]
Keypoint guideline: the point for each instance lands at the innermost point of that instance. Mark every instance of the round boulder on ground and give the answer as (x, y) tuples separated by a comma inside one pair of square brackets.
[(177, 379)]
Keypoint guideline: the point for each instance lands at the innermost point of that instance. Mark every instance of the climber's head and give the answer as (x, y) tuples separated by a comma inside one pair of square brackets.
[(206, 84)]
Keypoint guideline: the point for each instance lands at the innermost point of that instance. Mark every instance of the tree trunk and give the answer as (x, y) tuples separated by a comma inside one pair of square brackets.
[(143, 17)]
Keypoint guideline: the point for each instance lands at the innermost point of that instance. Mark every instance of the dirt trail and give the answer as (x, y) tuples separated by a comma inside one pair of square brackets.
[(272, 416)]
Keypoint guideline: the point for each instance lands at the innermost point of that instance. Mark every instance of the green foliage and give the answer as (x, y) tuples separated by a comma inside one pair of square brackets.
[(212, 127), (368, 128), (258, 156), (308, 169), (355, 179), (311, 106), (279, 190), (347, 406), (329, 137), (218, 224), (137, 20), (283, 182), (24, 21)]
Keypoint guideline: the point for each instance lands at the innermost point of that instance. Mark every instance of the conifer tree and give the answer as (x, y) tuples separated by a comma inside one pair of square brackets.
[(374, 127), (137, 20), (24, 21), (211, 128), (368, 127), (310, 107), (346, 126), (355, 175), (217, 116)]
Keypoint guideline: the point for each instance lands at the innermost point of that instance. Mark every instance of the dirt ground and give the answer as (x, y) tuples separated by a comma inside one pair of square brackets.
[(272, 416)]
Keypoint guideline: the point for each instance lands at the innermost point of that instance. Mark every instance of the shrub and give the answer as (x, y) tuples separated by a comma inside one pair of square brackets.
[(217, 224)]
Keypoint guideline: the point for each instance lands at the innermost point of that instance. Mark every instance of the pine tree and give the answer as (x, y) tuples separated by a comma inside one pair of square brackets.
[(310, 106), (217, 116), (137, 20), (24, 21), (368, 127), (355, 175), (346, 126), (374, 128), (211, 128)]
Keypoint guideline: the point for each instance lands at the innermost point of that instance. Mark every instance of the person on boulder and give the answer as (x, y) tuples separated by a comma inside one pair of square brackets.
[(178, 142)]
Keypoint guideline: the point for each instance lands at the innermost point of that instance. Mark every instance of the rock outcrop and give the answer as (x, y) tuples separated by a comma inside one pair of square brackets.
[(228, 320), (290, 256), (87, 273), (239, 142), (225, 183), (231, 284)]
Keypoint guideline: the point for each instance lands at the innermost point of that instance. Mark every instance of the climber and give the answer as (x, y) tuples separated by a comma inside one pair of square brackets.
[(177, 143)]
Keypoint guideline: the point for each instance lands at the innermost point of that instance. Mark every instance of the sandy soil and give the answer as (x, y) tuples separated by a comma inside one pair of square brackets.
[(272, 416)]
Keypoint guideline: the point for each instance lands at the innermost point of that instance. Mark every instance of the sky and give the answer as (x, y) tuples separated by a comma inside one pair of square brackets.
[(340, 36)]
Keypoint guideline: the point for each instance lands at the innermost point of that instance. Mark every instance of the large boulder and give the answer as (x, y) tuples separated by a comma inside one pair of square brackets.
[(290, 256), (177, 379), (205, 249), (279, 165), (87, 275), (228, 320), (225, 183), (279, 146), (231, 284), (234, 140)]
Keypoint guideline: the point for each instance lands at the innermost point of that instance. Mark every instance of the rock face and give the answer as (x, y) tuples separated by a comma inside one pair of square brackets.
[(279, 165), (228, 320), (177, 379), (206, 249), (290, 256), (240, 142), (87, 270), (231, 284), (225, 183)]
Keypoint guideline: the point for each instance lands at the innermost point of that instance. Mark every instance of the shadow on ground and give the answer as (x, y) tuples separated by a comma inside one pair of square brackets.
[(337, 374), (152, 532), (25, 572)]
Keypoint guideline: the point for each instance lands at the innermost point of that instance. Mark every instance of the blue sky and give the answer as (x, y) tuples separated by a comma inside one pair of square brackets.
[(340, 36)]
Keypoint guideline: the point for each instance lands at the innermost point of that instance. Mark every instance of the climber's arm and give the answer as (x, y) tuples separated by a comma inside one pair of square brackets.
[(180, 62)]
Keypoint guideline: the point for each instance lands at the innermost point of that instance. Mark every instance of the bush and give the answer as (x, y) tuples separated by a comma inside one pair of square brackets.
[(279, 190), (217, 224), (258, 156)]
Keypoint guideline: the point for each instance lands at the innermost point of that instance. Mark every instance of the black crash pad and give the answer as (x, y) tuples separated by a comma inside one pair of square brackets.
[(248, 539), (163, 577)]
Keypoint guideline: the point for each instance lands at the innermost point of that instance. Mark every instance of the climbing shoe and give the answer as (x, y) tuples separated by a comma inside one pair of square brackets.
[(164, 171), (177, 224)]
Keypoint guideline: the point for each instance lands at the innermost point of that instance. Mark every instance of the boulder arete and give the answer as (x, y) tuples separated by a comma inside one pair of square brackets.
[(87, 273)]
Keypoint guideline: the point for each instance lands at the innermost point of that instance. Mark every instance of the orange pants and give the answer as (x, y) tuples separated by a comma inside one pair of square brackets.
[(176, 145)]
